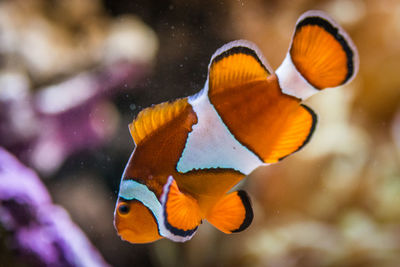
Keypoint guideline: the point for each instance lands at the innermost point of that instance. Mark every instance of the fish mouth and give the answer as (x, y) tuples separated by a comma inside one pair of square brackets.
[(129, 236), (135, 238), (125, 234)]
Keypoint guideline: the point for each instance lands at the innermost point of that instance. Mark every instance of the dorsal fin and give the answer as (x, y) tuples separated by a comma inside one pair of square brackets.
[(294, 134), (269, 123), (151, 118), (234, 64)]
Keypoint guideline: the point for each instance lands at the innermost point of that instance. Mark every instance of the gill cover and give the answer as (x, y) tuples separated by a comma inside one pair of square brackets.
[(135, 222), (137, 212)]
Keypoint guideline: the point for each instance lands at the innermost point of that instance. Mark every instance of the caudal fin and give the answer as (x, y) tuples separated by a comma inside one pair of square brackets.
[(321, 55)]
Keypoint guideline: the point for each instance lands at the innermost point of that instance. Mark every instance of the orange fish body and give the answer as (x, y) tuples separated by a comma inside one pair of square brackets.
[(191, 152)]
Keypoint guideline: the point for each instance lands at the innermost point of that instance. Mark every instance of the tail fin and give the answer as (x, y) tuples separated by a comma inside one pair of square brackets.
[(321, 55)]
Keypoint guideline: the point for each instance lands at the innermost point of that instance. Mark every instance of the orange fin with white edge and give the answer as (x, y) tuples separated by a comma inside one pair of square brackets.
[(152, 118), (250, 103), (321, 55), (180, 213), (233, 213), (272, 125), (234, 64), (296, 133)]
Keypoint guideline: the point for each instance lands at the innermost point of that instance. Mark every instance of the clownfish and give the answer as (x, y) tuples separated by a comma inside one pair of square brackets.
[(191, 152)]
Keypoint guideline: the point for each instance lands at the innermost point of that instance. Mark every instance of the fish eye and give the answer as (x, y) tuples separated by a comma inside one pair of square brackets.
[(123, 209)]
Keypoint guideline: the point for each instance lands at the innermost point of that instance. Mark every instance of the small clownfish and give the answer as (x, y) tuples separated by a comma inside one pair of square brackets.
[(191, 152)]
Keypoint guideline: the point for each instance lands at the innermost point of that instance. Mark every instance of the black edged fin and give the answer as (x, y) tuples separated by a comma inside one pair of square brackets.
[(180, 216), (233, 213), (322, 51)]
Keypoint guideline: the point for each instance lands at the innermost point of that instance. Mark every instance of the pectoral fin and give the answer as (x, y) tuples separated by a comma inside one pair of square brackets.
[(180, 213)]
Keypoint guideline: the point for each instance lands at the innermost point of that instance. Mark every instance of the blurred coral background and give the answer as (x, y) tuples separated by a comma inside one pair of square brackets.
[(73, 75)]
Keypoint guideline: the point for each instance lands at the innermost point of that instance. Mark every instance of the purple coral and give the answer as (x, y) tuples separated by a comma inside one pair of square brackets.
[(41, 233), (44, 128)]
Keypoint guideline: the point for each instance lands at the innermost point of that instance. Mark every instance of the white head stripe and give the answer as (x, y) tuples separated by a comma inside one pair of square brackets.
[(131, 189)]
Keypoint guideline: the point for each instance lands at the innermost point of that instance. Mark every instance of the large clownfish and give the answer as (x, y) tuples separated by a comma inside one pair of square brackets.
[(191, 152)]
